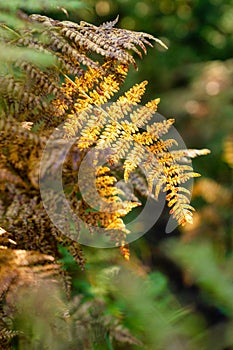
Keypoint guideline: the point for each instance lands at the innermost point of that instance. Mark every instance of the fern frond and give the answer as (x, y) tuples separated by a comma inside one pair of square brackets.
[(39, 79), (72, 45), (93, 90), (110, 24), (105, 40), (19, 98), (63, 49), (186, 154), (158, 129), (140, 148), (133, 160), (112, 208), (133, 95), (6, 336), (125, 251), (182, 212)]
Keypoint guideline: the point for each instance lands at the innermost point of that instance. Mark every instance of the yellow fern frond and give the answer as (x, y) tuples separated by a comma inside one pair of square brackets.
[(111, 206), (125, 251), (133, 160), (93, 89), (109, 135), (158, 129), (144, 149), (134, 94)]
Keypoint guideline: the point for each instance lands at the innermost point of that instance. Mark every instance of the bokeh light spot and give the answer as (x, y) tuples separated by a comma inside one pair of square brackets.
[(167, 7), (192, 106), (128, 23), (102, 8), (142, 9), (212, 88), (184, 11)]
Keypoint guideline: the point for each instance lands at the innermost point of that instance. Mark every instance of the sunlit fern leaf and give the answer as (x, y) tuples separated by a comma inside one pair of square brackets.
[(140, 148), (90, 90), (185, 155), (125, 251), (111, 206), (133, 160)]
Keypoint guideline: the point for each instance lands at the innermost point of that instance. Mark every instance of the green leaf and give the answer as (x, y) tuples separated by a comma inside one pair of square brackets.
[(42, 5), (13, 53)]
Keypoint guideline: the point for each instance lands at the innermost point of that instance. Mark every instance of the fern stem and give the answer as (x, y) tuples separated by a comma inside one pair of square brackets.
[(10, 30), (110, 347)]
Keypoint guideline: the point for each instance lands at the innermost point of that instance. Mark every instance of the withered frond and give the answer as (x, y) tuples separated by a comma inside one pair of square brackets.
[(23, 216), (26, 276), (110, 42)]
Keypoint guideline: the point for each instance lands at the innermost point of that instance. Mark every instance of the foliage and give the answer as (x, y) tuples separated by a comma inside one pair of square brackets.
[(177, 322), (25, 99)]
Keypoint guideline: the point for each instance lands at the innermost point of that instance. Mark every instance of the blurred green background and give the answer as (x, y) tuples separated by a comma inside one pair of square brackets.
[(177, 290)]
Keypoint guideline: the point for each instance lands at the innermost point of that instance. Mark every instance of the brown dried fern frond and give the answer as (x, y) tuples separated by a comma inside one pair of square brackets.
[(109, 42), (22, 213)]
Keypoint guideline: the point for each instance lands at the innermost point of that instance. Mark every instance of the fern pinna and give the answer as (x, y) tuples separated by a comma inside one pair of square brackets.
[(74, 91)]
